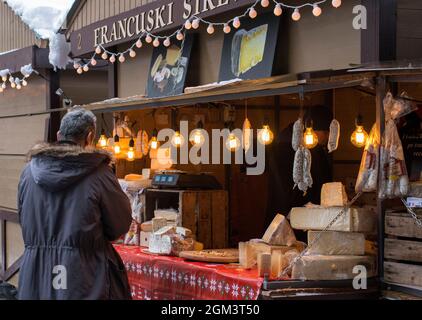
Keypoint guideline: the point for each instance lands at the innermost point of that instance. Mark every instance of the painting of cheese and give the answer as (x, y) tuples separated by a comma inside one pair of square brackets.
[(169, 67), (249, 52), (248, 49)]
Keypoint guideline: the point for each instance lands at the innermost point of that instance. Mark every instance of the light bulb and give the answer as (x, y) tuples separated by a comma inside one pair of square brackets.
[(227, 28), (156, 43), (13, 85), (24, 83), (86, 68), (177, 140), (296, 15), (132, 53), (3, 86), (278, 10), (139, 44), (195, 24), (93, 62), (336, 3), (188, 25), (233, 142), (153, 143), (359, 137), (252, 13), (130, 154), (80, 70), (102, 142), (197, 137), (122, 58), (113, 58), (76, 65), (98, 50), (310, 139), (236, 23), (265, 3), (167, 42), (104, 56), (116, 146), (180, 36), (210, 29), (316, 11), (148, 39), (18, 87), (265, 136), (4, 78)]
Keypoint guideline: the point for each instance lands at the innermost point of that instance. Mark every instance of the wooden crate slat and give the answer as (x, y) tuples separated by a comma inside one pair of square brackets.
[(402, 273), (402, 225), (403, 250), (219, 219), (204, 219), (188, 210)]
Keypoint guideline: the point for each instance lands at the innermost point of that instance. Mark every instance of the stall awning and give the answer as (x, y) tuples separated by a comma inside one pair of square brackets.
[(234, 90)]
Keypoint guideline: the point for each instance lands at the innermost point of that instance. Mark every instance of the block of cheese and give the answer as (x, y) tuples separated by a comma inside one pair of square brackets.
[(185, 232), (146, 226), (264, 264), (333, 194), (322, 267), (247, 256), (249, 251), (145, 236), (280, 261), (160, 244), (353, 220), (279, 232), (158, 223), (337, 243), (170, 215)]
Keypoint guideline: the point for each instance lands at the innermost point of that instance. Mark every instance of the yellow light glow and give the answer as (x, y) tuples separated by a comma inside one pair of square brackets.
[(102, 142), (130, 155), (117, 148), (196, 137), (233, 142), (177, 139), (265, 136), (310, 138), (154, 143), (359, 137)]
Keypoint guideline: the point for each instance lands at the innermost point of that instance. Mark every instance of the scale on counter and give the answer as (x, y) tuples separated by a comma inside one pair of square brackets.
[(184, 180)]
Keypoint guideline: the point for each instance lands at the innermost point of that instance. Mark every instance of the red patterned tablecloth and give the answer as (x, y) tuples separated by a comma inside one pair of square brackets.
[(153, 277)]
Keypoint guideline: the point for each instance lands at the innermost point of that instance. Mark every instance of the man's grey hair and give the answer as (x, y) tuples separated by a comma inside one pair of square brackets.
[(76, 124)]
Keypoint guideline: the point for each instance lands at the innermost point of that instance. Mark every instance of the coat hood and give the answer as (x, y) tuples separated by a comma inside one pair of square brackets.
[(55, 167)]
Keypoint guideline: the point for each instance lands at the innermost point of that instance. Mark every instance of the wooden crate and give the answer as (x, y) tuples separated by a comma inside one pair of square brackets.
[(205, 212), (402, 250)]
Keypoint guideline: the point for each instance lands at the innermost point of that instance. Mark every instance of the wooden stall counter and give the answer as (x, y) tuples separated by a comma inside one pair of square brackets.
[(154, 277)]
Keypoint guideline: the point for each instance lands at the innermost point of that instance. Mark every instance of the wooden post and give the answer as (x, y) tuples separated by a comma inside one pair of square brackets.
[(53, 102), (381, 89)]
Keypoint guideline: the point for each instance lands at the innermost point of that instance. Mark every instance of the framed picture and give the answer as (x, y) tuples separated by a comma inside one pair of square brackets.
[(248, 52), (169, 67)]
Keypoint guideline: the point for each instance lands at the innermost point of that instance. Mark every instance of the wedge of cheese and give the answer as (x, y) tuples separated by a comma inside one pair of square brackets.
[(158, 223), (353, 220), (333, 194), (322, 267), (264, 264), (247, 255), (279, 232), (337, 243)]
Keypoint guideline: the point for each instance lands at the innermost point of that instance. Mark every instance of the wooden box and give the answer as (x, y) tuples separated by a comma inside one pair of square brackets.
[(403, 250), (205, 212)]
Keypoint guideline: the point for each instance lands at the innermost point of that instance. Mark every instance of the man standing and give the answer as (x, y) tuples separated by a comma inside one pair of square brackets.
[(70, 207)]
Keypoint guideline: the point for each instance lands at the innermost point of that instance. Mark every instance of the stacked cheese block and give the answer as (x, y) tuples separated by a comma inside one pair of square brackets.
[(339, 250), (273, 253), (162, 218)]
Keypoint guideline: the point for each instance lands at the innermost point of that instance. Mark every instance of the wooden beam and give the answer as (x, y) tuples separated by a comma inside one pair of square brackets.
[(53, 102)]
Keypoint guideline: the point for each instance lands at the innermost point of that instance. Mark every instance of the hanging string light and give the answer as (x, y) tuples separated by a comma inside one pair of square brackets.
[(131, 151), (177, 140), (102, 141), (310, 138), (359, 136), (153, 144), (194, 23), (265, 135), (233, 142), (116, 146), (197, 137)]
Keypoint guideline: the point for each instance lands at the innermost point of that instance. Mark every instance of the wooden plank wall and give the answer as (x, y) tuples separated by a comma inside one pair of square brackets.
[(18, 135), (14, 34), (96, 10), (409, 29)]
